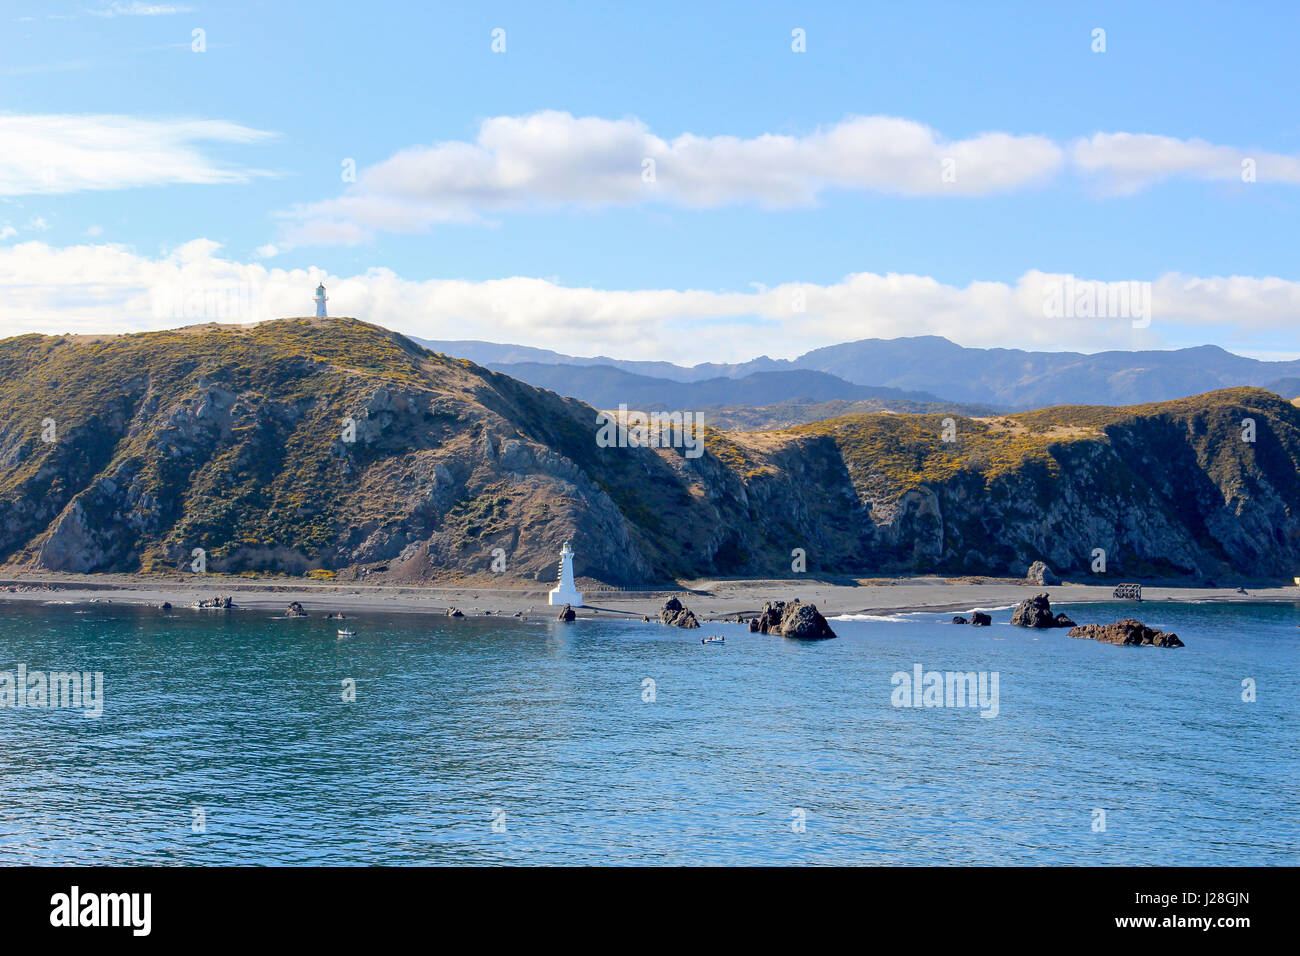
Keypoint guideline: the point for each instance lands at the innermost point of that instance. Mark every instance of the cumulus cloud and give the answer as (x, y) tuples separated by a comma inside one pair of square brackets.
[(65, 153), (109, 288), (1127, 162), (552, 158)]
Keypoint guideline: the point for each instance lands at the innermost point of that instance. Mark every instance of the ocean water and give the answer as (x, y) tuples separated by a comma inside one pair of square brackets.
[(485, 741)]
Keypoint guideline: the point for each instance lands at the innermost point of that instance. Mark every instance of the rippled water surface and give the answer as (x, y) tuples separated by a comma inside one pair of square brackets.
[(542, 728)]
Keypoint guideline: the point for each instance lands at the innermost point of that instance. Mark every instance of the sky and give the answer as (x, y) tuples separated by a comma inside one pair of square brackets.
[(658, 181)]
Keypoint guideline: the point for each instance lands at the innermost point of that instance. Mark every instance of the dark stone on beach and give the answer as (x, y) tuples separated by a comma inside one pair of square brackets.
[(1037, 612), (677, 614), (1040, 574), (165, 606), (455, 612), (217, 603), (566, 614), (295, 610), (1127, 632), (980, 619), (793, 619), (960, 620)]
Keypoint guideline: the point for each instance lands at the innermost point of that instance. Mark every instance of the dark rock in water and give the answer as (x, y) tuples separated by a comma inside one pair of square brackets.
[(1127, 631), (753, 625), (217, 603), (645, 618), (793, 619), (980, 619), (677, 614), (295, 610), (566, 614), (1042, 575), (518, 614), (1037, 612), (454, 612), (165, 606), (960, 620)]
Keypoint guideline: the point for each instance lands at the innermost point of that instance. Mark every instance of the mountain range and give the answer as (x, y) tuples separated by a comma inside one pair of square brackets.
[(339, 449), (924, 369)]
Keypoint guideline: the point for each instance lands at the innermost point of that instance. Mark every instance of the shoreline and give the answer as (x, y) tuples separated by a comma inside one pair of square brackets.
[(710, 600)]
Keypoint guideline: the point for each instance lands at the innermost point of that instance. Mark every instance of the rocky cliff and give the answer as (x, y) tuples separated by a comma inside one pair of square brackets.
[(329, 446)]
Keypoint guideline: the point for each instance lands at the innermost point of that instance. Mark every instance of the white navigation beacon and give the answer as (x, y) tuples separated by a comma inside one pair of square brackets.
[(565, 592), (320, 301)]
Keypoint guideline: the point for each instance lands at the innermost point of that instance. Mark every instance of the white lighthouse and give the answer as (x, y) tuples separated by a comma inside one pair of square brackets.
[(320, 301), (565, 592)]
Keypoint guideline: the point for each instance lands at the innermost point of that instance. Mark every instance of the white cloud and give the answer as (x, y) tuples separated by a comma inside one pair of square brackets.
[(64, 153), (109, 288), (7, 232), (138, 9), (552, 158), (1128, 162)]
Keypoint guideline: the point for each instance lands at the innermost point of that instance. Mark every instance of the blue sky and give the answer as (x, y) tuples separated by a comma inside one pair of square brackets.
[(305, 87)]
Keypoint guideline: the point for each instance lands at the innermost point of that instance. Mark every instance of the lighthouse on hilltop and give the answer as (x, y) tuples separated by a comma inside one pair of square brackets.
[(320, 301)]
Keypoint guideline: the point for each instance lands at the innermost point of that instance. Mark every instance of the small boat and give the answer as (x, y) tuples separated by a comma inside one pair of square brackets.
[(347, 632), (715, 639)]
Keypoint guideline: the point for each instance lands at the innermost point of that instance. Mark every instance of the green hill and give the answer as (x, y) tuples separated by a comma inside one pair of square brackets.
[(232, 440)]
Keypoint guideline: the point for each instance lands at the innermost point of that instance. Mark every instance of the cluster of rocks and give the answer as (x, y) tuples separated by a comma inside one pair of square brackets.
[(792, 619), (677, 614), (455, 612), (295, 610), (216, 603), (977, 619), (1129, 632), (1037, 612), (567, 613)]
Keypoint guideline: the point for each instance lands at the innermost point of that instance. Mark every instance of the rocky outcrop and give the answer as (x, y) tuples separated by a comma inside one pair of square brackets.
[(295, 610), (1040, 574), (1128, 632), (1037, 612), (677, 614), (216, 604), (567, 614), (793, 619), (960, 620), (980, 619), (455, 612)]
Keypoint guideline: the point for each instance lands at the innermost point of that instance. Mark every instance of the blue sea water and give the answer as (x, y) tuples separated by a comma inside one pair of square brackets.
[(492, 741)]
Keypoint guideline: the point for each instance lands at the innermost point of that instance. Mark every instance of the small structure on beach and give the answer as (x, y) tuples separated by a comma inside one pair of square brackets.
[(565, 592)]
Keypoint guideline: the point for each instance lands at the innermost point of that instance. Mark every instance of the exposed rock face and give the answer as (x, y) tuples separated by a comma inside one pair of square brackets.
[(980, 619), (793, 619), (1037, 612), (229, 438), (1042, 575), (295, 610), (567, 614), (455, 612), (1127, 631), (216, 603), (677, 614), (960, 620)]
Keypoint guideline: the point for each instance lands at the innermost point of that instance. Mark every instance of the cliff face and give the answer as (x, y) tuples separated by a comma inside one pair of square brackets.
[(237, 441)]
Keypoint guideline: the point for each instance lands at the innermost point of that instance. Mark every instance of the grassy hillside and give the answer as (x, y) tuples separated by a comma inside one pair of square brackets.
[(232, 440)]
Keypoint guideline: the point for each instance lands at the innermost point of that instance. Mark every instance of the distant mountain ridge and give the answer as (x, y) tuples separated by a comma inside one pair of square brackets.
[(935, 366)]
